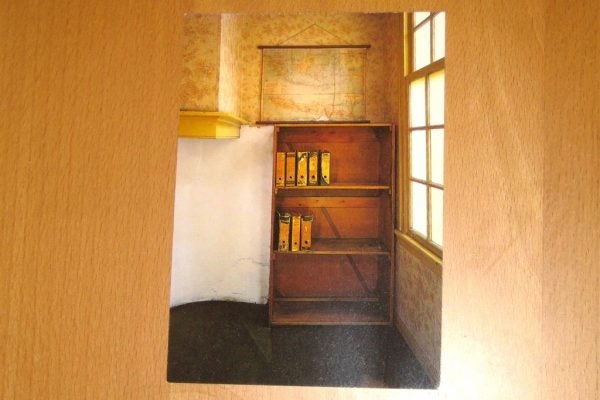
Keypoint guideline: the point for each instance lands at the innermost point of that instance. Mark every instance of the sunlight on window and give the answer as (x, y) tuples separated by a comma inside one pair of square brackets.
[(426, 134), (418, 221), (418, 154), (417, 103), (420, 16), (436, 98), (422, 46)]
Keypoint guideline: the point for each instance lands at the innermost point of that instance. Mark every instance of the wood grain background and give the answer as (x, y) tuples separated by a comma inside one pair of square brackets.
[(88, 110)]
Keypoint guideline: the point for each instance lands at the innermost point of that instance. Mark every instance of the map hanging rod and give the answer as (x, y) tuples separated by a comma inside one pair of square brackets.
[(317, 46)]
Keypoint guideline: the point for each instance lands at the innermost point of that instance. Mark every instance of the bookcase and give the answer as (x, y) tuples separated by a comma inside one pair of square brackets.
[(346, 278)]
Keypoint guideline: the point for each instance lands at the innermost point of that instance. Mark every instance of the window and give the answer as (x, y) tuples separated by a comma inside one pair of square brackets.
[(423, 186)]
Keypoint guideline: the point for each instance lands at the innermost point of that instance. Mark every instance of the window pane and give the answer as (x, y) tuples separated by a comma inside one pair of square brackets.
[(437, 216), (436, 98), (422, 46), (439, 36), (419, 16), (418, 203), (437, 156), (418, 154), (417, 103)]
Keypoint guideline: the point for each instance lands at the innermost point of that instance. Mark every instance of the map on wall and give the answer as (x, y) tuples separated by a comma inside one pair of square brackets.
[(313, 84)]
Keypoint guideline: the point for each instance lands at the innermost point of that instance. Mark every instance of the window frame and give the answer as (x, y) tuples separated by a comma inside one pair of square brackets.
[(404, 175)]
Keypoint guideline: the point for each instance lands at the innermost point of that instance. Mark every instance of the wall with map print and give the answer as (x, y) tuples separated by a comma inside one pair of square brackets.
[(313, 84), (247, 32)]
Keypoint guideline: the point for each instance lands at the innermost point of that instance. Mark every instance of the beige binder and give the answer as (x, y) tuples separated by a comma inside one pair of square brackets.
[(295, 240), (290, 168), (302, 168), (280, 169), (324, 178), (283, 240), (306, 232), (313, 168)]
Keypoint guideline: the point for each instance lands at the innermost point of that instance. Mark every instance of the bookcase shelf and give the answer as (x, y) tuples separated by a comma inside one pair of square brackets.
[(328, 313), (333, 187), (329, 299), (342, 246), (346, 277)]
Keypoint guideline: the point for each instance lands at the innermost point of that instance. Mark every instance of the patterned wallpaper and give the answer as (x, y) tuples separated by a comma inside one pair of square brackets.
[(419, 303), (243, 33), (201, 59), (317, 29), (393, 39), (230, 71)]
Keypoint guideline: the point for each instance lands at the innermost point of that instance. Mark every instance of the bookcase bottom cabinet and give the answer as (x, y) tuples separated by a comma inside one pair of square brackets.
[(331, 286), (346, 276)]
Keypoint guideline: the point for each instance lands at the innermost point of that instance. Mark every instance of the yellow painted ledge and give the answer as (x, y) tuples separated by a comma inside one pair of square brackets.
[(209, 125)]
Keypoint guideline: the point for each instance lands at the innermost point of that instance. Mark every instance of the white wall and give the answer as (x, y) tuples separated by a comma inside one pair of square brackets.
[(222, 218)]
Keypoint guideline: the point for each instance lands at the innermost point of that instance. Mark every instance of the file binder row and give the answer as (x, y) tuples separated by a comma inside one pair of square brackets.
[(295, 232), (302, 168)]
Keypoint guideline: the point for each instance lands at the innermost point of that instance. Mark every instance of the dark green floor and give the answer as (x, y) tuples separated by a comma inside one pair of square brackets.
[(229, 342)]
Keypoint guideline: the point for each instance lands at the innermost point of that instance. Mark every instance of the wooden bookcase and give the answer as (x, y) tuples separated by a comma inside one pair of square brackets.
[(346, 277)]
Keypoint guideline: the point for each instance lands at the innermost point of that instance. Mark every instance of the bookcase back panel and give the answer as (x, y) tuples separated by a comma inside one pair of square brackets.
[(357, 153), (350, 162), (327, 134), (341, 222), (326, 275), (328, 202)]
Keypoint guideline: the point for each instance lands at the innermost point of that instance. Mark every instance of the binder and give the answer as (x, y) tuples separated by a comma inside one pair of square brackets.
[(306, 232), (313, 168), (301, 168), (283, 240), (324, 178), (280, 169), (290, 168), (295, 240)]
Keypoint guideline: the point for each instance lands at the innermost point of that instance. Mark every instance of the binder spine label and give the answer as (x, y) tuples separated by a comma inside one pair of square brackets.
[(290, 169), (324, 178), (295, 241), (302, 168), (313, 168), (306, 232), (280, 169)]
